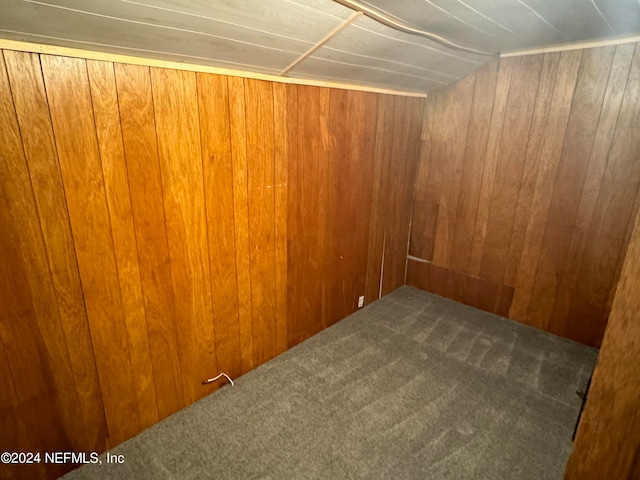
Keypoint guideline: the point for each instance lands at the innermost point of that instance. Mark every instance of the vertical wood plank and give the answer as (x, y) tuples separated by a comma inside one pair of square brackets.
[(490, 162), (428, 189), (284, 144), (30, 329), (405, 153), (608, 436), (71, 112), (241, 217), (293, 206), (175, 104), (450, 151), (394, 262), (510, 164), (352, 125), (213, 103), (32, 394), (380, 204), (12, 423), (593, 180), (473, 163), (32, 112), (613, 209), (261, 203), (147, 205), (424, 214), (590, 91), (621, 258), (537, 135), (413, 134), (323, 240), (550, 246), (548, 137), (548, 163), (339, 161), (306, 227), (114, 171)]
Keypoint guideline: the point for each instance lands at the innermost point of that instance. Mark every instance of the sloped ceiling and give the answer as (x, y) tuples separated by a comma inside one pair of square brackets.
[(269, 36)]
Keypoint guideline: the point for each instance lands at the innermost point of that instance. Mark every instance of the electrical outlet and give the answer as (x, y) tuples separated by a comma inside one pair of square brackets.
[(361, 301)]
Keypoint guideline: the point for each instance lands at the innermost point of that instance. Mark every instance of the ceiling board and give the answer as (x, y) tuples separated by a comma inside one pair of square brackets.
[(466, 27), (266, 36), (61, 23), (573, 18), (40, 40), (622, 15), (366, 37), (511, 15), (307, 23), (133, 14), (395, 64), (504, 25)]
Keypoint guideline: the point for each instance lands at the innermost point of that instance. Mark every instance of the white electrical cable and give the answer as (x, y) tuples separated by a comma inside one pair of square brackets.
[(380, 17), (210, 380)]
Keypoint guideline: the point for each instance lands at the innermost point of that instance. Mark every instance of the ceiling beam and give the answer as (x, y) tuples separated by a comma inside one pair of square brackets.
[(322, 41)]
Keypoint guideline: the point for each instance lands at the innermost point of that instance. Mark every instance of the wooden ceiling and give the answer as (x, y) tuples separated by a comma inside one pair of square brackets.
[(267, 36)]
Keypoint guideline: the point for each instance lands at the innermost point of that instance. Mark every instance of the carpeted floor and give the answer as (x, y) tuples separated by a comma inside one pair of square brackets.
[(411, 387)]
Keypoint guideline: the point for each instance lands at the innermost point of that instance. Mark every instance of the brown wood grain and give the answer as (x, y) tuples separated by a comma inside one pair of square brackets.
[(213, 106), (293, 205), (474, 291), (284, 144), (608, 437), (31, 396), (175, 104), (587, 104), (612, 214), (379, 207), (353, 123), (547, 154), (32, 112), (73, 125), (510, 164), (147, 206), (394, 260), (621, 257), (319, 201), (15, 435), (261, 202), (160, 226), (532, 161), (241, 217), (307, 180), (424, 212), (593, 180), (30, 328), (449, 149), (428, 187), (410, 137), (546, 212), (491, 155), (404, 155), (475, 149), (114, 171)]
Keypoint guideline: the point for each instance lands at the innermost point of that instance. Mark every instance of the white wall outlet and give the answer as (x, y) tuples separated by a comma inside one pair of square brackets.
[(361, 301)]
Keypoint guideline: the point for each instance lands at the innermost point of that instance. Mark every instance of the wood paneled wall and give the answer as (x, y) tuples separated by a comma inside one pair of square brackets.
[(527, 187), (159, 226), (607, 443)]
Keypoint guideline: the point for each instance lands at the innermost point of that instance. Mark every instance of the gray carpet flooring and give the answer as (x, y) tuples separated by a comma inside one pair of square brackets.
[(413, 386)]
